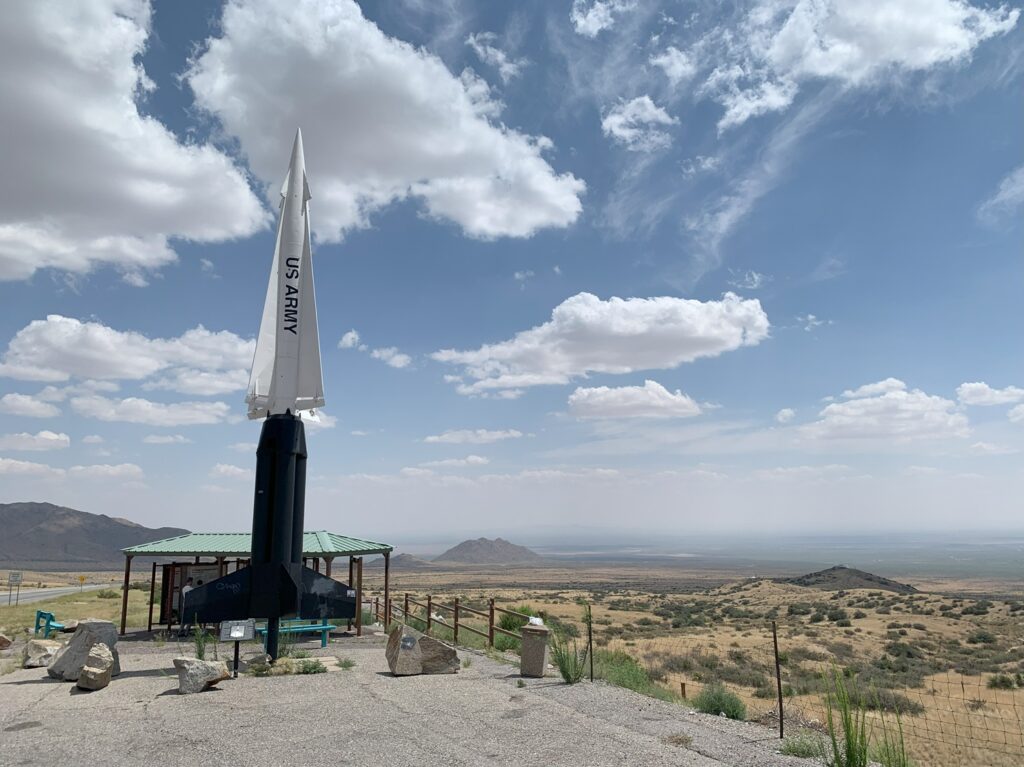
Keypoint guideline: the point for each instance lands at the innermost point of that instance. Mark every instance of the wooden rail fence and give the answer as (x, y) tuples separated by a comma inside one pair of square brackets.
[(408, 608)]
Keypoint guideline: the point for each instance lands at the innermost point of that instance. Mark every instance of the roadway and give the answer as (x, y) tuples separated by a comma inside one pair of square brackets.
[(38, 595)]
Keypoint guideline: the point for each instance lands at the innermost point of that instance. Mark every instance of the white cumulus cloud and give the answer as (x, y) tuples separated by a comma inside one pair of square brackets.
[(117, 185), (28, 406), (980, 393), (59, 348), (678, 66), (886, 410), (780, 46), (455, 463), (391, 356), (166, 439), (472, 436), (620, 335), (652, 400), (43, 440), (785, 415), (637, 125), (143, 411), (591, 17), (228, 471), (382, 121)]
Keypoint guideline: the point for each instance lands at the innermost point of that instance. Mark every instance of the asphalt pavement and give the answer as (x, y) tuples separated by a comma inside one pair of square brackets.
[(480, 716), (38, 595)]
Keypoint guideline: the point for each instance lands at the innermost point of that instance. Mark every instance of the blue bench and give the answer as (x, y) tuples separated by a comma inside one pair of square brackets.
[(46, 622), (299, 627)]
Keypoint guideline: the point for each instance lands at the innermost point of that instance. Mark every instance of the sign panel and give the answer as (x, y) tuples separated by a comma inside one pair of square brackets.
[(237, 631), (14, 578)]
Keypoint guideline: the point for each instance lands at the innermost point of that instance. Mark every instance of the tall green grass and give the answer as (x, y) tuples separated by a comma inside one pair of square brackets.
[(571, 663), (849, 731), (846, 726), (623, 670)]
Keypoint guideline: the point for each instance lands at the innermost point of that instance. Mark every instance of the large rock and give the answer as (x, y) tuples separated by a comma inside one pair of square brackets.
[(196, 675), (95, 674), (68, 662), (39, 653), (5, 641), (70, 627), (409, 652)]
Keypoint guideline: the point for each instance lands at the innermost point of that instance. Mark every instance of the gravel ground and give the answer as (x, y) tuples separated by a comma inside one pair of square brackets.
[(358, 717)]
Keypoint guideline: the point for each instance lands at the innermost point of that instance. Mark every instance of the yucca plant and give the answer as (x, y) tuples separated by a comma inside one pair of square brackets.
[(571, 663), (846, 725)]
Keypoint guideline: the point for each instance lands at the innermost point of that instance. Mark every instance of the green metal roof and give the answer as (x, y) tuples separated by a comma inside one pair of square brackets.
[(314, 544)]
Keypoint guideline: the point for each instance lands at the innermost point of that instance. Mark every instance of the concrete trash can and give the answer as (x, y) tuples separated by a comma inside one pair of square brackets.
[(533, 657)]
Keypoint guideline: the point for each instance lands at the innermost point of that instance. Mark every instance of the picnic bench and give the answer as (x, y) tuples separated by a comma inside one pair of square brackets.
[(300, 627), (47, 623)]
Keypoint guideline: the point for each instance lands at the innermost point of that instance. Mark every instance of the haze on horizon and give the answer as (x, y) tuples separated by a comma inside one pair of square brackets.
[(587, 265)]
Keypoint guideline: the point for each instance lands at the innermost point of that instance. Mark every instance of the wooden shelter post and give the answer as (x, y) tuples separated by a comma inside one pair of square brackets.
[(124, 595), (387, 590), (359, 597), (327, 565), (152, 592)]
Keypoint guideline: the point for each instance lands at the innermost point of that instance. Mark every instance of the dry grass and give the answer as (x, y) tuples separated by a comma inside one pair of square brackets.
[(630, 605)]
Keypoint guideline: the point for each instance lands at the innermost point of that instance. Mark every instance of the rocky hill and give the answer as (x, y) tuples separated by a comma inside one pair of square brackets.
[(484, 551), (842, 578), (402, 562), (43, 536)]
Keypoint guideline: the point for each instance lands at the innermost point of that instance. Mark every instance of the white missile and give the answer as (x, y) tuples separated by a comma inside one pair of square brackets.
[(286, 374)]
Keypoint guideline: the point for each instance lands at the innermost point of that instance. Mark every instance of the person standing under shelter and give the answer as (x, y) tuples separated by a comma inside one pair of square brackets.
[(183, 631)]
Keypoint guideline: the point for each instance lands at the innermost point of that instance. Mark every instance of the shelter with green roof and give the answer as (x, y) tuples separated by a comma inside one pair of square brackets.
[(222, 550)]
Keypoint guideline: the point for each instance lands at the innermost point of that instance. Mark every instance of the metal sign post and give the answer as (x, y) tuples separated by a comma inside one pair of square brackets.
[(237, 632), (13, 579)]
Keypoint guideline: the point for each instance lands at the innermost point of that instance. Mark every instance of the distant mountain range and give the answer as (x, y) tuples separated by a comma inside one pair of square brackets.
[(484, 551), (42, 536), (843, 578)]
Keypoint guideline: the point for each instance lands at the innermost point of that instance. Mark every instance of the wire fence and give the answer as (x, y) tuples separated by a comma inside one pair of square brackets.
[(953, 717), (948, 717)]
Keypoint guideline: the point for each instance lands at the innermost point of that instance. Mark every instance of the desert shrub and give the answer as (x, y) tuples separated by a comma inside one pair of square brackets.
[(516, 622), (978, 608), (816, 618), (799, 608), (981, 637), (108, 594), (677, 664), (346, 664), (715, 699), (310, 666), (885, 700), (621, 669), (806, 653), (805, 745), (1001, 682), (837, 614)]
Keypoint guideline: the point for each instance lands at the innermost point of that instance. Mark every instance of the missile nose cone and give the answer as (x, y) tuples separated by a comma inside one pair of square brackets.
[(298, 161)]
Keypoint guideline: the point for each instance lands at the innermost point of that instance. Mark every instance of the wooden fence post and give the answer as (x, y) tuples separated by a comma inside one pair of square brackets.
[(490, 623), (430, 611), (455, 623)]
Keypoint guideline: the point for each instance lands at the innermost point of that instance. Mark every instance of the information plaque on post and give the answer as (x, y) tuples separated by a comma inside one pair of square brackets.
[(237, 631)]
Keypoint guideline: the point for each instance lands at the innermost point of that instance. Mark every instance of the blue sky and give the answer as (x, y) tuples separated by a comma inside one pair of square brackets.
[(657, 267)]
